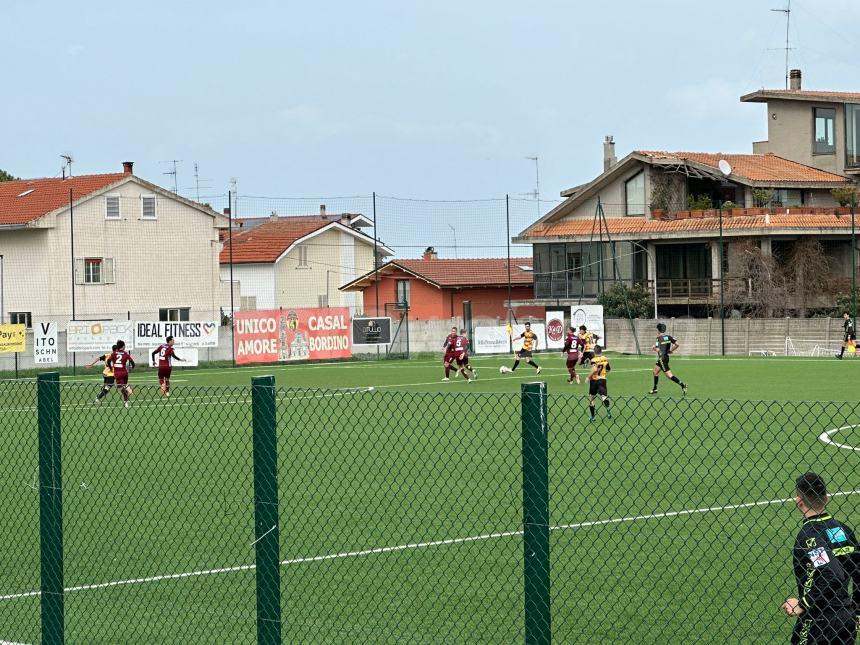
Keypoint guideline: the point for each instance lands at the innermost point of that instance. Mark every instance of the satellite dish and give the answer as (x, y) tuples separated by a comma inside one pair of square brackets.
[(725, 167)]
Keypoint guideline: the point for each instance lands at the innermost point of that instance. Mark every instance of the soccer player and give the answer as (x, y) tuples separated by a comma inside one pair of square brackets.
[(166, 355), (120, 361), (450, 354), (107, 372), (826, 559), (849, 334), (530, 340), (597, 381), (588, 341), (461, 347), (573, 345), (664, 346)]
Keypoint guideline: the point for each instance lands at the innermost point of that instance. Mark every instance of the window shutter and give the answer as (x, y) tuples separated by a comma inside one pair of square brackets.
[(148, 207), (112, 207), (79, 270), (107, 271)]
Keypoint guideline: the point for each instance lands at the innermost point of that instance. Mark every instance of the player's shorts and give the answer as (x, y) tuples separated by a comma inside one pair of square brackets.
[(109, 380), (164, 372), (462, 362), (451, 357), (524, 353), (663, 363), (597, 388), (586, 356), (851, 336), (121, 378), (572, 360), (837, 628)]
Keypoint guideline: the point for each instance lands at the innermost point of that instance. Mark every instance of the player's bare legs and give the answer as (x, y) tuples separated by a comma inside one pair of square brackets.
[(126, 392), (574, 377)]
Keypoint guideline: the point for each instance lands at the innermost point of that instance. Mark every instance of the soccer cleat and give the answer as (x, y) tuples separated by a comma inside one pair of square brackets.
[(839, 356), (684, 389), (167, 394), (608, 414), (126, 404), (569, 381), (445, 380), (654, 391), (98, 400), (593, 418), (475, 375), (538, 371)]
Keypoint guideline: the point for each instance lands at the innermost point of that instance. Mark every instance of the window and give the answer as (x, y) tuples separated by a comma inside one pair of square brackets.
[(634, 190), (148, 207), (248, 303), (403, 292), (112, 207), (94, 271), (303, 258), (825, 124), (852, 135), (175, 314), (787, 197), (21, 318)]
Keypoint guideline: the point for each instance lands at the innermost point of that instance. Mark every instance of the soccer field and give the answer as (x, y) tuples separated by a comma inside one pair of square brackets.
[(401, 502)]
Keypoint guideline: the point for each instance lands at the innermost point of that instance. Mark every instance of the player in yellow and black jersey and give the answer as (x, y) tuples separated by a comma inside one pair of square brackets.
[(597, 381), (107, 372), (589, 339), (530, 340)]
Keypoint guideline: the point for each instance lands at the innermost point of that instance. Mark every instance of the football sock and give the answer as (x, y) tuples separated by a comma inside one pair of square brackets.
[(656, 380), (125, 395), (841, 351), (103, 393), (447, 372), (535, 365), (516, 363), (591, 409), (606, 403), (677, 380)]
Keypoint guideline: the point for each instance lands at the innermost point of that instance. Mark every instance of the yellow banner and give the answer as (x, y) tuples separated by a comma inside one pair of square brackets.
[(13, 338)]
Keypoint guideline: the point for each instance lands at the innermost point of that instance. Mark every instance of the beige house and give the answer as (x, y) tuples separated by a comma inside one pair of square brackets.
[(110, 246), (300, 261)]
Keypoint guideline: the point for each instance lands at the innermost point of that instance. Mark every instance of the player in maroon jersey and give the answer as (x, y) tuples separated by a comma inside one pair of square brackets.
[(120, 361), (461, 348), (450, 354), (166, 355), (573, 345)]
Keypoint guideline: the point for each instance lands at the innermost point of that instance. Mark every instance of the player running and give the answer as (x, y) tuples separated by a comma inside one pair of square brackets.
[(849, 335), (461, 347), (120, 361), (664, 346), (166, 355), (573, 345), (597, 382), (529, 345), (450, 354), (107, 372), (588, 341)]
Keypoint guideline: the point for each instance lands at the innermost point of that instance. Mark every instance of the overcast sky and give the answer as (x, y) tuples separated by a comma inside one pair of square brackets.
[(438, 100)]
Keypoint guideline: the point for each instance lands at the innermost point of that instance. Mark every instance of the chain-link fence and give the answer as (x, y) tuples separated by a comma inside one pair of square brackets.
[(359, 515)]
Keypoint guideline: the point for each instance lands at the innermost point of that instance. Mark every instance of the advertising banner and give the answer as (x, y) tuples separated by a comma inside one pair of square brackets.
[(592, 317), (189, 355), (13, 338), (185, 334), (371, 331), (98, 336), (554, 329), (491, 340), (45, 348), (292, 335)]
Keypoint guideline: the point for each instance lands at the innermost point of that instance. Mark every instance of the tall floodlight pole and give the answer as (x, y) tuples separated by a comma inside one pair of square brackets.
[(726, 170), (853, 264)]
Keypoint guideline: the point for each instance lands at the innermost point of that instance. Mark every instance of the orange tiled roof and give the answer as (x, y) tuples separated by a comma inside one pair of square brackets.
[(761, 168), (266, 242), (472, 272), (25, 200), (635, 226)]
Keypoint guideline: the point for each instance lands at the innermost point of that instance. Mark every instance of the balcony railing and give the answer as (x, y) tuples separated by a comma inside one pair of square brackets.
[(668, 289)]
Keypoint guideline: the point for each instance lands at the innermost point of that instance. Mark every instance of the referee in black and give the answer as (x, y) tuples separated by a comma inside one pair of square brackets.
[(826, 561), (849, 333)]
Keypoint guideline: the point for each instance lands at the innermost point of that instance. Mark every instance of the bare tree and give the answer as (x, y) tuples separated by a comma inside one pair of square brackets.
[(758, 284), (808, 271)]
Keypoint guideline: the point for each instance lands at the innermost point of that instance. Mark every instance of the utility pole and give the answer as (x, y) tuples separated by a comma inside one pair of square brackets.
[(536, 192), (787, 12)]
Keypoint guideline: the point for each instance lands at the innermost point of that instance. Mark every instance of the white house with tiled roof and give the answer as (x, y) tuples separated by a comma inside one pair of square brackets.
[(108, 246), (654, 217)]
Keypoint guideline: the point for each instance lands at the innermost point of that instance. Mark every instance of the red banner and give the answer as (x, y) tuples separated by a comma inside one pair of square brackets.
[(281, 335)]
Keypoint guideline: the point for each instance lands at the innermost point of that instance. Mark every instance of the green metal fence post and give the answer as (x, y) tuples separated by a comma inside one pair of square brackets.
[(266, 530), (50, 509), (536, 514)]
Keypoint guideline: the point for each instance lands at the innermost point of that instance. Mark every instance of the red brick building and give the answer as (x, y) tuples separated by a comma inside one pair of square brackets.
[(435, 289)]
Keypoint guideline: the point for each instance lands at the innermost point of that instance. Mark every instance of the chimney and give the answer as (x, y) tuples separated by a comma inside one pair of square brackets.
[(794, 80), (609, 158), (429, 254), (127, 167), (322, 210)]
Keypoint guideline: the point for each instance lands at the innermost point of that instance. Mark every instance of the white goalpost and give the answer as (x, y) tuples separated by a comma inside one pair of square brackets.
[(811, 347)]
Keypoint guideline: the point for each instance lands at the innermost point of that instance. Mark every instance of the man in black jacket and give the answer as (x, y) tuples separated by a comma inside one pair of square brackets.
[(826, 561)]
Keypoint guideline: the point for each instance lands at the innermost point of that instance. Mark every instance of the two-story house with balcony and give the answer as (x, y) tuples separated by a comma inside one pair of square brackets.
[(661, 219)]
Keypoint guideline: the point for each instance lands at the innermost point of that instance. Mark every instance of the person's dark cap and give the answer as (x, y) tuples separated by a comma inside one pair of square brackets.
[(811, 487)]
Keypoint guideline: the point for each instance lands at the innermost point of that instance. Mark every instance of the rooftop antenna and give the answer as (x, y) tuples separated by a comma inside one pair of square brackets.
[(67, 163), (536, 192), (197, 180), (787, 12), (234, 188), (172, 173)]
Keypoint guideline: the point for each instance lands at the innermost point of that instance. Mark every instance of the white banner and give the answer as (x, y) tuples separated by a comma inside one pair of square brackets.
[(98, 336), (491, 340), (189, 355), (554, 329), (592, 317), (45, 347), (185, 334)]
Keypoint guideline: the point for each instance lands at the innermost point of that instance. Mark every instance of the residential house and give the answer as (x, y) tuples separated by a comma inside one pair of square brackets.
[(108, 246), (435, 289), (299, 261), (654, 218)]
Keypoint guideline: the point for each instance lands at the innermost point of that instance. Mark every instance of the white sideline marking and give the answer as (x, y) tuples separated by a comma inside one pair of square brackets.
[(417, 545), (826, 437)]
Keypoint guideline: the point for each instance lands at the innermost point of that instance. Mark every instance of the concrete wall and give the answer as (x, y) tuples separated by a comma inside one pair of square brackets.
[(790, 127)]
